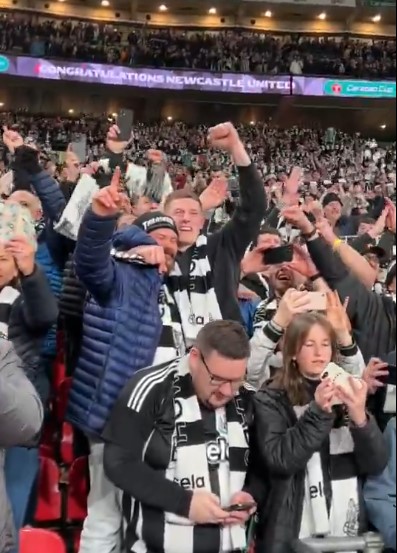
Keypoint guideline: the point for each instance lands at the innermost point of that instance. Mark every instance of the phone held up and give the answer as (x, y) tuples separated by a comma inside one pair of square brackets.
[(277, 256), (125, 121), (339, 377)]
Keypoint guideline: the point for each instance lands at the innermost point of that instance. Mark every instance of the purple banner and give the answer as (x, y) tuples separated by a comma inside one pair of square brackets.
[(145, 78), (194, 80)]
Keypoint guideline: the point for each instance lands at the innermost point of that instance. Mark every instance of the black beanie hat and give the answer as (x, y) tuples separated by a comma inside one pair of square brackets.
[(155, 220)]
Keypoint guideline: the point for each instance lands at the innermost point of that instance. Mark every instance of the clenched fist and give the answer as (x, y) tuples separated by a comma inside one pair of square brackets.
[(224, 137)]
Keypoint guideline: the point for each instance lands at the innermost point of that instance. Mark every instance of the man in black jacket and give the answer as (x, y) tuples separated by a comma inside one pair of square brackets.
[(208, 269), (177, 446)]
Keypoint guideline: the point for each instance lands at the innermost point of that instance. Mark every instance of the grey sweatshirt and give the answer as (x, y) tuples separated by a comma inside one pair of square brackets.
[(21, 417)]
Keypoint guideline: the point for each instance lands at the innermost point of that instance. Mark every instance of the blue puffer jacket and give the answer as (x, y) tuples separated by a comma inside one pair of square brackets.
[(122, 325), (54, 277)]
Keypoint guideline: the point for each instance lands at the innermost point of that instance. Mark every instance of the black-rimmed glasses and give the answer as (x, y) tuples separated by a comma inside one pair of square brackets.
[(218, 381)]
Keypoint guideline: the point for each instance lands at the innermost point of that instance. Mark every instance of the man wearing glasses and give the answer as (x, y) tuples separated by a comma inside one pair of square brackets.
[(177, 446)]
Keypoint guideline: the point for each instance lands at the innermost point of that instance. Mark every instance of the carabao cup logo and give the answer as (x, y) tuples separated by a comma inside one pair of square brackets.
[(4, 64)]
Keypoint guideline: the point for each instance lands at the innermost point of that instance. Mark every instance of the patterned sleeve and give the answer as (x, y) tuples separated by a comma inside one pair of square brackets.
[(264, 313)]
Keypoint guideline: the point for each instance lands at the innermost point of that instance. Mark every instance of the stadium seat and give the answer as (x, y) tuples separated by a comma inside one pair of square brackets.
[(59, 367), (78, 490), (76, 540), (48, 438), (66, 446), (35, 540), (61, 399), (49, 495)]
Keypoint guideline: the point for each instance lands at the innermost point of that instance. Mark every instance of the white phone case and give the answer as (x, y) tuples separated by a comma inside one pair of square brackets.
[(338, 376)]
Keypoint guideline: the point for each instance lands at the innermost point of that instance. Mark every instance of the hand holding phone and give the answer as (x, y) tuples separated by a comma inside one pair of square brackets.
[(317, 301), (16, 221), (338, 377), (277, 256), (125, 121), (240, 507)]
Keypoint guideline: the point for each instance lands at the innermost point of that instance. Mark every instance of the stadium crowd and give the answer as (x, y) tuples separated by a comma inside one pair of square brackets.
[(215, 50), (222, 302)]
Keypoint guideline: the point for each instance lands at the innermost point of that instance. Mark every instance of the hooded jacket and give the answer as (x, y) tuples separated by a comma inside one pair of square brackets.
[(21, 416), (121, 325)]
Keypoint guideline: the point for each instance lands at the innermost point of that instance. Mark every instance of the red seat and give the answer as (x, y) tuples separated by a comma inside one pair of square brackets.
[(35, 540), (59, 367), (48, 439), (58, 374), (76, 540), (78, 490), (66, 446), (66, 437), (49, 495), (61, 399)]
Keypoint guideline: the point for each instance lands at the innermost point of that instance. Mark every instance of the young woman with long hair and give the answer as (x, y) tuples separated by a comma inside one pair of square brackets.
[(309, 451)]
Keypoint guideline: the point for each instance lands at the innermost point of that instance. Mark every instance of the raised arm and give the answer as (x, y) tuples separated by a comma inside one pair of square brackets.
[(39, 305), (26, 161), (244, 226)]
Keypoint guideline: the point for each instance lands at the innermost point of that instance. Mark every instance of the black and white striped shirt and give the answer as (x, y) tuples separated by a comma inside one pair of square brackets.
[(140, 448)]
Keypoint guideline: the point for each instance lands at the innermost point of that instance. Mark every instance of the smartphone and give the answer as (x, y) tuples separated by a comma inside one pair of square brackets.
[(15, 220), (276, 256), (338, 376), (389, 379), (125, 121), (239, 507), (318, 301), (79, 148)]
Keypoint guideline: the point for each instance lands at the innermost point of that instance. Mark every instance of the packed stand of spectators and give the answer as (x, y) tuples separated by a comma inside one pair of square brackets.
[(236, 50), (228, 338), (324, 155)]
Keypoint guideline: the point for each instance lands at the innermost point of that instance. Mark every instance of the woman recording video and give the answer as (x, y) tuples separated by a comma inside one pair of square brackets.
[(313, 442)]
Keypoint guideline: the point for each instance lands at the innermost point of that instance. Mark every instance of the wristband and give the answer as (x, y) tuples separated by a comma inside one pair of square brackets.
[(337, 244), (315, 277), (310, 235)]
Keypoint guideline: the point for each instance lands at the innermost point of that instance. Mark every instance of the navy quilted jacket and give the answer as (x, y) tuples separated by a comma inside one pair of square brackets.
[(122, 324)]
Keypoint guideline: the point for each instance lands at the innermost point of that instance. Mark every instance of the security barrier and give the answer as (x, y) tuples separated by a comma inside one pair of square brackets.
[(369, 543)]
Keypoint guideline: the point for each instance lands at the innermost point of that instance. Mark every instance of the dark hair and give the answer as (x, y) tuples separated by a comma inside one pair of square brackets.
[(183, 194), (227, 338), (367, 220), (289, 378), (265, 229)]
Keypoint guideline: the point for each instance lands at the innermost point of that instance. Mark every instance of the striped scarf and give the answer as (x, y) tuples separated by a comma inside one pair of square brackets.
[(341, 518), (195, 297), (193, 460), (8, 296)]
